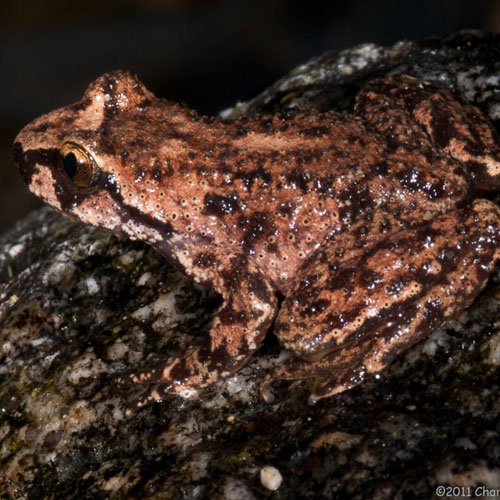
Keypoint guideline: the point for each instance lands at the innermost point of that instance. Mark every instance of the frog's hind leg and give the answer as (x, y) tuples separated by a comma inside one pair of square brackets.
[(355, 320), (395, 104)]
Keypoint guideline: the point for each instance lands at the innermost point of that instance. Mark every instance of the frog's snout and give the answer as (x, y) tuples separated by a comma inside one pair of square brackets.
[(31, 160), (17, 152), (21, 161)]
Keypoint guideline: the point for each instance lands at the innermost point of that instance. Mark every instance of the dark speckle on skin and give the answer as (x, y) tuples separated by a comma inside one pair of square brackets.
[(316, 131), (205, 260), (299, 178), (254, 227), (221, 205), (255, 176), (365, 225)]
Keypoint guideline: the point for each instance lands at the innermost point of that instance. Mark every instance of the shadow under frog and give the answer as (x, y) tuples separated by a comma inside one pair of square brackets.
[(370, 225)]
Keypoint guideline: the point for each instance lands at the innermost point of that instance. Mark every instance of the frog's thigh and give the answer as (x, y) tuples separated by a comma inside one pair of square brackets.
[(453, 125), (357, 319)]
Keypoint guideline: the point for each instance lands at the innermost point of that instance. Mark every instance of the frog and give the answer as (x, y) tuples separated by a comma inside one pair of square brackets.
[(351, 236)]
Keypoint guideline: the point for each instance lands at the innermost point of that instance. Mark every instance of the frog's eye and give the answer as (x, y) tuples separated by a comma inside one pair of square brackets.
[(77, 165)]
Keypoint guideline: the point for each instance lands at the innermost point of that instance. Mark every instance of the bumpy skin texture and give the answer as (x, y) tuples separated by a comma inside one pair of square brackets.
[(365, 223)]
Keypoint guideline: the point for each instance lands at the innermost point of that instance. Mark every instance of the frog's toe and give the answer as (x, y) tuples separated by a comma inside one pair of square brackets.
[(150, 394), (321, 392), (293, 369), (145, 395), (327, 386), (156, 394), (137, 401), (146, 377)]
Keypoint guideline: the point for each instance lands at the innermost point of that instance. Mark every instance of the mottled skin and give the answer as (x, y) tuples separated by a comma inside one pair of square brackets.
[(369, 225)]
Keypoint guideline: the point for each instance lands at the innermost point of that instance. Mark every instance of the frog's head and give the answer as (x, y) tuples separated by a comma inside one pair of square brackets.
[(83, 159)]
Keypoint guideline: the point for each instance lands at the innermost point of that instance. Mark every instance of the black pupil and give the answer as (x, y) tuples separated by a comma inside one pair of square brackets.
[(70, 164)]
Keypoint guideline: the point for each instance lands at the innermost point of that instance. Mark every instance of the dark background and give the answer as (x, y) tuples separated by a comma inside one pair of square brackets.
[(207, 53)]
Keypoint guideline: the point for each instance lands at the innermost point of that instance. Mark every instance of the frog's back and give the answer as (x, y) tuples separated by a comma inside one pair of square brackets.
[(278, 187), (341, 158)]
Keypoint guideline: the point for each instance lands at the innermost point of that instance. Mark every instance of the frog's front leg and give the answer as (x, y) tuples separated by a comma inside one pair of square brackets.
[(248, 309), (352, 322)]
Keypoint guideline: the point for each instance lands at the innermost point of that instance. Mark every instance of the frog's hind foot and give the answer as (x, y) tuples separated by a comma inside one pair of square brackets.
[(329, 376), (293, 369)]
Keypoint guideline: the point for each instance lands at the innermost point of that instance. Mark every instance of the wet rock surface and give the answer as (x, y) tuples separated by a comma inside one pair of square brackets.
[(78, 307)]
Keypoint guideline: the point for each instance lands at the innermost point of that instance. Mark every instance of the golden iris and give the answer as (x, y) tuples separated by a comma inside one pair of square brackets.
[(77, 165)]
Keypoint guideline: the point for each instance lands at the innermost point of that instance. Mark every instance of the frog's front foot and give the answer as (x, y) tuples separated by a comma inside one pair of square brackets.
[(164, 379), (198, 368), (139, 398), (248, 309)]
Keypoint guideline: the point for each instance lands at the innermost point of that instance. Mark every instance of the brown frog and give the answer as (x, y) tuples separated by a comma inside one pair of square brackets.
[(368, 226)]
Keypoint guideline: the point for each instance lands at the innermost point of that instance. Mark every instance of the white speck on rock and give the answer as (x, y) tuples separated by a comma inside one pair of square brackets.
[(270, 477), (38, 341), (118, 350), (477, 86), (494, 111), (130, 257), (15, 250), (359, 58), (478, 472), (143, 279), (115, 483), (62, 269), (7, 347), (436, 341), (92, 286), (143, 313), (164, 305), (465, 443), (493, 350), (164, 309), (234, 384), (86, 366), (236, 490), (188, 393)]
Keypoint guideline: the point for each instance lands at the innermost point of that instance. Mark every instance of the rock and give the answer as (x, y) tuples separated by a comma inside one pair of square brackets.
[(78, 307), (270, 477)]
